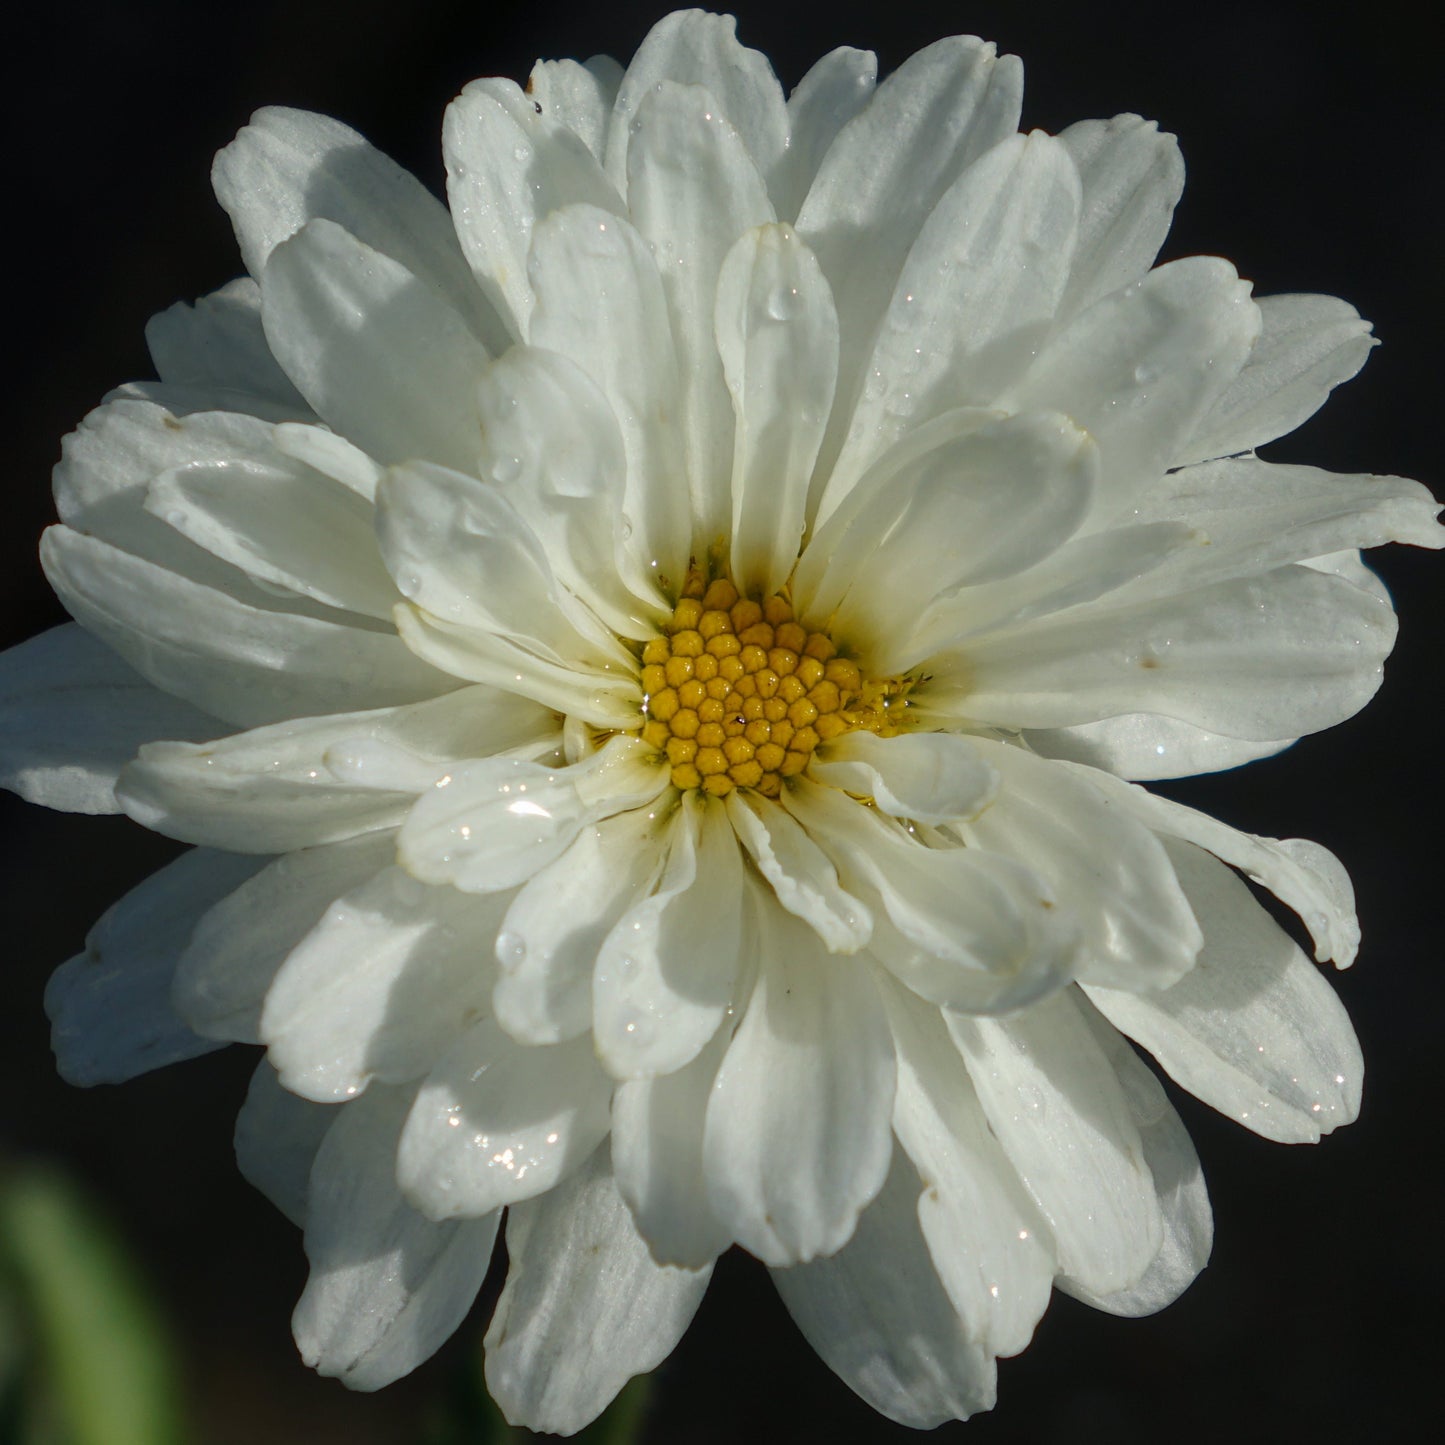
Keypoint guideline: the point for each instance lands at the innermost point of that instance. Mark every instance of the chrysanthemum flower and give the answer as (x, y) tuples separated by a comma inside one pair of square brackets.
[(656, 663)]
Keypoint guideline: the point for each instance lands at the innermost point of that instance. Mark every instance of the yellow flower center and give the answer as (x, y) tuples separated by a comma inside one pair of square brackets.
[(738, 693)]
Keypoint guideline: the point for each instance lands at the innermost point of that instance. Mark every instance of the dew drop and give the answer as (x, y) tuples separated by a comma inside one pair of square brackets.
[(511, 949)]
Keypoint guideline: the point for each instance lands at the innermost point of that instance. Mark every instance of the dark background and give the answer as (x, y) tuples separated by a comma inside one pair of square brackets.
[(1313, 149)]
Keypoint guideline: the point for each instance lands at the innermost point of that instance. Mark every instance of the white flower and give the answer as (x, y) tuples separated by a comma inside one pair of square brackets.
[(656, 664)]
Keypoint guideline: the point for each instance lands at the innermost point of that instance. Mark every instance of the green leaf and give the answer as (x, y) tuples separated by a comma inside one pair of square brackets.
[(100, 1366)]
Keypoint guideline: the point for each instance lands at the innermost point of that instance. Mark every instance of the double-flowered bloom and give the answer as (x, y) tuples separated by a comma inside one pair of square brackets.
[(656, 662)]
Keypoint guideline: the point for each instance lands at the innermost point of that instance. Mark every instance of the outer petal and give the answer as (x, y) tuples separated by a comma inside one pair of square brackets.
[(1140, 366), (1132, 176), (579, 96), (1253, 1029), (940, 110), (929, 777), (271, 790), (991, 1249), (494, 823), (1108, 867), (496, 1123), (282, 523), (555, 928), (600, 303), (797, 1139), (668, 970), (289, 167), (777, 335), (218, 342), (822, 103), (389, 976), (387, 1286), (1054, 1102), (695, 48), (509, 163), (551, 442), (244, 663), (277, 1136), (1308, 346), (965, 928), (1144, 747), (72, 714), (1307, 877), (239, 944), (657, 1154), (1183, 1199), (996, 249), (584, 1308), (383, 359), (462, 552), (880, 1319), (110, 1007), (692, 188), (1265, 657)]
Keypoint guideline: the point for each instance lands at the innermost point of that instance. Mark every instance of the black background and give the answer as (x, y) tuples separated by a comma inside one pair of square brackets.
[(1313, 141)]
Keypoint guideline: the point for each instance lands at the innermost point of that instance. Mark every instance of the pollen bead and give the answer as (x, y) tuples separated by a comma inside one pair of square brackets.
[(738, 693)]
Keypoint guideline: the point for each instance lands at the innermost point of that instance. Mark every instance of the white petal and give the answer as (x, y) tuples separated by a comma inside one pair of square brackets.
[(1258, 515), (1024, 483), (277, 1136), (600, 303), (72, 714), (1253, 1029), (964, 928), (496, 1122), (962, 501), (1054, 1102), (803, 877), (584, 1308), (1144, 746), (238, 945), (243, 663), (497, 821), (657, 1153), (1265, 657), (1140, 366), (797, 1138), (1105, 865), (777, 335), (289, 167), (110, 1007), (509, 164), (553, 930), (995, 249), (694, 48), (1132, 176), (987, 1242), (877, 1315), (387, 1286), (941, 109), (822, 103), (329, 454), (610, 701), (552, 444), (578, 96), (219, 342), (929, 777), (383, 359), (461, 551), (270, 790), (1307, 877), (1307, 347), (388, 977), (667, 971), (691, 189), (1183, 1199), (283, 524)]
